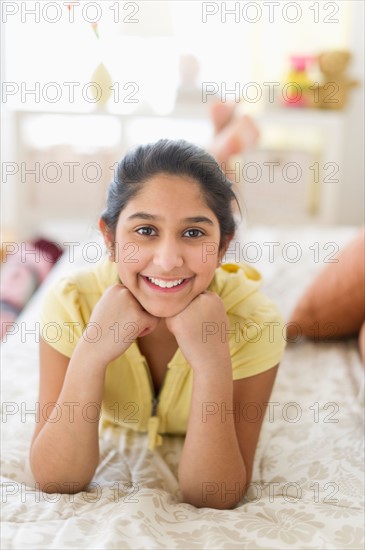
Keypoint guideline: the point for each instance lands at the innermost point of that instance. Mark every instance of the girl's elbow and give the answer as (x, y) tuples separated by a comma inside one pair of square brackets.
[(217, 501), (50, 486), (218, 505)]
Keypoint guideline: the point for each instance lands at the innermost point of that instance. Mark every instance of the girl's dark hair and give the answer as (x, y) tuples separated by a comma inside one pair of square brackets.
[(178, 158)]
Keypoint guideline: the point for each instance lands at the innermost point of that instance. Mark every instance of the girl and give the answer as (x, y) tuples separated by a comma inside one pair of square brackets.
[(160, 337)]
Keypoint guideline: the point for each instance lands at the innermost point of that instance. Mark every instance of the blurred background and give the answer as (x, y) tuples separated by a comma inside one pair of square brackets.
[(273, 89)]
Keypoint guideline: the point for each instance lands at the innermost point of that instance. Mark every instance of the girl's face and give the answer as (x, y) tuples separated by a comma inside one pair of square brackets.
[(167, 233)]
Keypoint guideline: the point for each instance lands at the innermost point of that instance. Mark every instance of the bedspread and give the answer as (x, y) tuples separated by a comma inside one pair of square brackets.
[(307, 485)]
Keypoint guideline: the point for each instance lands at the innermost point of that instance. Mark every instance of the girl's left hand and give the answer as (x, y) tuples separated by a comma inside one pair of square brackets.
[(200, 330)]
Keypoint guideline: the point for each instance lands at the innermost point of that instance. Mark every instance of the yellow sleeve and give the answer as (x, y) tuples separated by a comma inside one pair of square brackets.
[(61, 321), (257, 341)]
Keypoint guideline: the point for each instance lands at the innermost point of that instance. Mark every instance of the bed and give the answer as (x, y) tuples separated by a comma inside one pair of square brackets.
[(307, 485)]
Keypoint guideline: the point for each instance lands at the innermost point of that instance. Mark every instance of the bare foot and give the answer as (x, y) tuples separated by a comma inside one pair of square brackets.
[(239, 135), (221, 114)]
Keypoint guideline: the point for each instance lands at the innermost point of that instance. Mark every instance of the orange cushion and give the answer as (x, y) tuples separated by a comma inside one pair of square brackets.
[(333, 306), (362, 343)]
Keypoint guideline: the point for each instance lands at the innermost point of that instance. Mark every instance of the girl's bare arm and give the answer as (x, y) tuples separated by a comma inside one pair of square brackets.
[(65, 449), (216, 465), (217, 459)]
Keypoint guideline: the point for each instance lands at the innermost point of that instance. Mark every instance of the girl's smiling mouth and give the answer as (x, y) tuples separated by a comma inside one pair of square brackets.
[(166, 285)]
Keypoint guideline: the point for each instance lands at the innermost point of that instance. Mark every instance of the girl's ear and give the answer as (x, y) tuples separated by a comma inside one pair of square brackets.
[(224, 247), (107, 238)]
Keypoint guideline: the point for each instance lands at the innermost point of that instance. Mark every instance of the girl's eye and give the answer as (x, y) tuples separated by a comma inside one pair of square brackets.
[(193, 232), (145, 231)]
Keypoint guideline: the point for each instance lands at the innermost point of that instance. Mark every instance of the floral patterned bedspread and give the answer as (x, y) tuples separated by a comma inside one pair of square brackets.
[(307, 488)]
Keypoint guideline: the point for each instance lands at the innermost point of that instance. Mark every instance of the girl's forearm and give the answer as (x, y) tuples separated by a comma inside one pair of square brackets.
[(212, 472), (66, 451)]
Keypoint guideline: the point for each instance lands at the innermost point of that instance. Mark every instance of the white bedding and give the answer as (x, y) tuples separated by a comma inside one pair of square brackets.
[(307, 488)]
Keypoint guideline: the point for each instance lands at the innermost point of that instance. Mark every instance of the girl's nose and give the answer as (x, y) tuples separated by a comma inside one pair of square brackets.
[(167, 255)]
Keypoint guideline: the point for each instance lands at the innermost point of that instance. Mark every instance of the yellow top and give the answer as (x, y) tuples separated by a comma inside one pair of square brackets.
[(255, 337)]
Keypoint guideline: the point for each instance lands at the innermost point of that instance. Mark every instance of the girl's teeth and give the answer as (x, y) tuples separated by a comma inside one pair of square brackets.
[(165, 284)]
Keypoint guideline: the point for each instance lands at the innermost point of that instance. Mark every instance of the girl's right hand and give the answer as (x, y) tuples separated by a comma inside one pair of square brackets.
[(116, 321)]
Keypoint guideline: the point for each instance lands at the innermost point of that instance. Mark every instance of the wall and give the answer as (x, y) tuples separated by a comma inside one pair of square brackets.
[(352, 196)]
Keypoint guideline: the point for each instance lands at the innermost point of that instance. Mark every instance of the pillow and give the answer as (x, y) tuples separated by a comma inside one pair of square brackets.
[(362, 342), (333, 306)]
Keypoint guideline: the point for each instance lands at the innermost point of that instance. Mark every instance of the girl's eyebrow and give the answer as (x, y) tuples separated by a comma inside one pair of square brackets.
[(193, 219)]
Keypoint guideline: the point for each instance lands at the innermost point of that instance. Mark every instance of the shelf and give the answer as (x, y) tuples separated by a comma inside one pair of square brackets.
[(313, 139)]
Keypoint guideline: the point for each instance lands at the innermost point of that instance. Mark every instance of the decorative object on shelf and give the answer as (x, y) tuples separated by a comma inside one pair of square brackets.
[(188, 89), (333, 91), (298, 90), (101, 92)]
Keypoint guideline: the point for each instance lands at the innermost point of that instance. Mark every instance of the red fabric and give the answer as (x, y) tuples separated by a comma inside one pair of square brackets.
[(22, 272)]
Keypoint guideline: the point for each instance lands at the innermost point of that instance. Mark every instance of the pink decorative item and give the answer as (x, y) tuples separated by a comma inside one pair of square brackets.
[(22, 272), (297, 91)]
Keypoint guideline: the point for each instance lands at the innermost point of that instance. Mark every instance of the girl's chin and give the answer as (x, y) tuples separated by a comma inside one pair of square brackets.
[(162, 310)]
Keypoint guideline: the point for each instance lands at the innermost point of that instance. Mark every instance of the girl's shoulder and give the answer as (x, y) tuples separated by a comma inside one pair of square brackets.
[(68, 304), (94, 279), (239, 286), (235, 281), (76, 293)]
